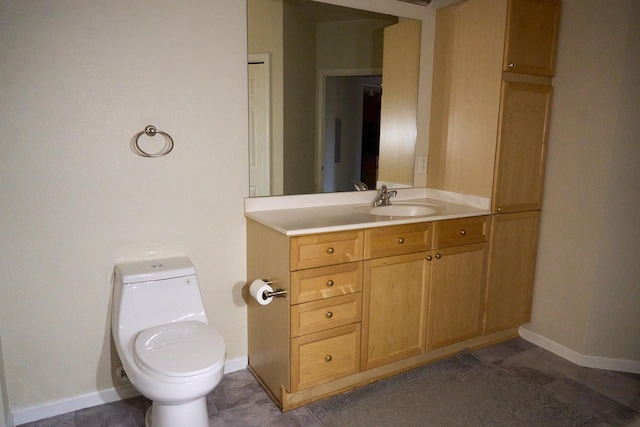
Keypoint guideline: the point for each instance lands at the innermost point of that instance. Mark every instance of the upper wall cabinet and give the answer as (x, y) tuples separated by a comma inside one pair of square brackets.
[(480, 45), (532, 34)]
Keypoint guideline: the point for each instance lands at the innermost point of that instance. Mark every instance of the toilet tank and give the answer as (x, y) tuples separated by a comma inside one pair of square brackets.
[(155, 292)]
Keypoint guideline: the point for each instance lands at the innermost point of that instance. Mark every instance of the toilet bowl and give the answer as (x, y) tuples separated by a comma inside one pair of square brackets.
[(168, 350)]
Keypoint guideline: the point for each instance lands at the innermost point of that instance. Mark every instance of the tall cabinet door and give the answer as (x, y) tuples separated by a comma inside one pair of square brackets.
[(394, 308), (511, 271), (456, 294), (520, 159), (532, 36)]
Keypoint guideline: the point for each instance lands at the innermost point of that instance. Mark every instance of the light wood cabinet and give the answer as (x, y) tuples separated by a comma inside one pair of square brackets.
[(456, 296), (396, 275), (493, 67), (423, 299), (458, 275), (312, 335), (324, 356), (395, 295), (511, 270), (521, 152), (476, 91), (325, 329), (532, 36)]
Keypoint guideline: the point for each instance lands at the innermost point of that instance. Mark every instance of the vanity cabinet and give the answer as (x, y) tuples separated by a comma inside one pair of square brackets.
[(429, 297), (456, 295), (396, 277), (326, 307), (364, 304), (312, 334)]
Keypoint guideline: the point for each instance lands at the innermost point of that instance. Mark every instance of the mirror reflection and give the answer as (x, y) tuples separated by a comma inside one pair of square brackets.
[(319, 121)]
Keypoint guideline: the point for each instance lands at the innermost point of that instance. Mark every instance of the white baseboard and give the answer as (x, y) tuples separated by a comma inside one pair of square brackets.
[(52, 408), (587, 361)]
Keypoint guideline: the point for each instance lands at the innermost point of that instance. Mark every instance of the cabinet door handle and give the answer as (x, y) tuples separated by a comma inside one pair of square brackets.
[(329, 314), (512, 65), (499, 210), (400, 240), (330, 251), (329, 283), (328, 358), (438, 256), (463, 232), (429, 257)]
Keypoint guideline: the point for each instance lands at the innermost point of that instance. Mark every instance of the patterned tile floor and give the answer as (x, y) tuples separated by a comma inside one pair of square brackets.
[(613, 398)]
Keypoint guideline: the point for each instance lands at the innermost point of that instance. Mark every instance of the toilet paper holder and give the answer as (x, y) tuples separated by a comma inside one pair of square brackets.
[(277, 293)]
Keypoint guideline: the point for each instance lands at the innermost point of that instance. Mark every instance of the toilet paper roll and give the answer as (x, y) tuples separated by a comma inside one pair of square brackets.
[(258, 289)]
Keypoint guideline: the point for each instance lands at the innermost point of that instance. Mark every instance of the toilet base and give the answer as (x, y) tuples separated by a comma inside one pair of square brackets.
[(192, 414)]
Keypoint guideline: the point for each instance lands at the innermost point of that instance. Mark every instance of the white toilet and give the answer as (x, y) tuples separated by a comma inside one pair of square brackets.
[(168, 350)]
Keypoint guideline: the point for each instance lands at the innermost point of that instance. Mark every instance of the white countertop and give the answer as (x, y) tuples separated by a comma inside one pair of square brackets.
[(321, 213)]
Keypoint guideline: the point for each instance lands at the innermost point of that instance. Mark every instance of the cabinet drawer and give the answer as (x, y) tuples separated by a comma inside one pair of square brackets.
[(325, 356), (317, 250), (326, 282), (463, 231), (397, 240), (325, 314)]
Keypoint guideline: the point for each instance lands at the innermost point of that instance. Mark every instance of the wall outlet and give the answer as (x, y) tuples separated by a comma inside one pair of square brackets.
[(422, 164)]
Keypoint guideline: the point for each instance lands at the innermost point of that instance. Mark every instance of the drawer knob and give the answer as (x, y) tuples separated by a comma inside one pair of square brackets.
[(328, 358), (330, 251), (400, 240), (438, 256), (429, 257), (462, 232), (329, 314), (512, 65), (499, 210), (329, 283)]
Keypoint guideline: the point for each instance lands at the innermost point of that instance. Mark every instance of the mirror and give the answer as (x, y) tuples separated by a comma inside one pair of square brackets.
[(319, 121)]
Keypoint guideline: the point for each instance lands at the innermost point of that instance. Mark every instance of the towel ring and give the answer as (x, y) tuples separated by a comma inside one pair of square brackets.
[(152, 131)]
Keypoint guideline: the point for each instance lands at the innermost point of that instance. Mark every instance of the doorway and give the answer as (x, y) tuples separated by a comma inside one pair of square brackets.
[(350, 131)]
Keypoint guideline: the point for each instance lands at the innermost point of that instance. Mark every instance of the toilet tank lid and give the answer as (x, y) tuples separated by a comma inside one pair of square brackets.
[(155, 269)]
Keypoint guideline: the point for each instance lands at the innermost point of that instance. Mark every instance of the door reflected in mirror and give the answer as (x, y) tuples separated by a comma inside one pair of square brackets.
[(319, 118)]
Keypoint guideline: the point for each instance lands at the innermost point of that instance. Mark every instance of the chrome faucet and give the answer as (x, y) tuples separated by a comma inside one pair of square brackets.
[(382, 199), (359, 186)]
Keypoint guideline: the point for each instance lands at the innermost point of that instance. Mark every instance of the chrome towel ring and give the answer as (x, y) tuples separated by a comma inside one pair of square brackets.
[(152, 131)]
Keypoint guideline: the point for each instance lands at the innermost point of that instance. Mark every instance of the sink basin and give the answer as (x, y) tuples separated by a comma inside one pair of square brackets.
[(404, 209)]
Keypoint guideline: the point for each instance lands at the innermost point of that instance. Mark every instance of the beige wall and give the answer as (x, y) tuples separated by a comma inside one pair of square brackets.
[(4, 401), (587, 290), (79, 79)]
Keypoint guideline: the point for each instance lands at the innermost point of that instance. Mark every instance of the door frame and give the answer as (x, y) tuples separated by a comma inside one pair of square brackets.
[(265, 58)]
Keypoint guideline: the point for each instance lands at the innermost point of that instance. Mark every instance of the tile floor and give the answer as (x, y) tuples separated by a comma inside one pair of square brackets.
[(613, 398)]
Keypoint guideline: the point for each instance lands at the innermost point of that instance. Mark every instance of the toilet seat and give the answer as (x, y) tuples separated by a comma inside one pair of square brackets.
[(179, 349)]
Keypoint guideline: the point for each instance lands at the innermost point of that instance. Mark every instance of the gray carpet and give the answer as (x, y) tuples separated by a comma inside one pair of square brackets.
[(458, 391)]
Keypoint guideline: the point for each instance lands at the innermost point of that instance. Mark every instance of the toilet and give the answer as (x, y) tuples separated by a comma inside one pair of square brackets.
[(169, 352)]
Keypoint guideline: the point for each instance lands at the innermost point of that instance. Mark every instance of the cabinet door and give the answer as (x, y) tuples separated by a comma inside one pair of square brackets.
[(512, 264), (520, 161), (394, 308), (456, 296), (532, 36)]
